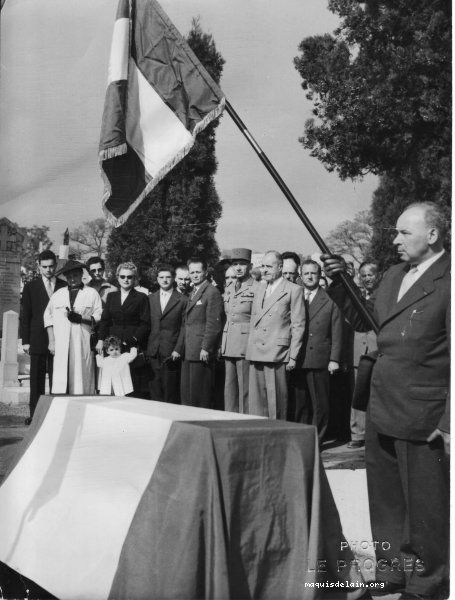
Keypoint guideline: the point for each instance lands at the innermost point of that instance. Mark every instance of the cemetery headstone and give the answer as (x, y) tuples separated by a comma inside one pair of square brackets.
[(11, 241), (11, 391)]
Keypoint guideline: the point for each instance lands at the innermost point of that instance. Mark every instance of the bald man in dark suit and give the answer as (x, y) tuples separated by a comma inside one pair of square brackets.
[(407, 425)]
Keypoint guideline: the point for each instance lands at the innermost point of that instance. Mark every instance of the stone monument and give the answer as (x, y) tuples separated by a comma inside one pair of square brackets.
[(11, 392), (11, 242)]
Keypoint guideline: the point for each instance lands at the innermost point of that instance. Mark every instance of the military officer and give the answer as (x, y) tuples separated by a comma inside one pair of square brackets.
[(238, 299)]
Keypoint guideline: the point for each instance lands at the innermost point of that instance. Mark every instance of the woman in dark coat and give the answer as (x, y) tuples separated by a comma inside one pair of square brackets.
[(126, 314)]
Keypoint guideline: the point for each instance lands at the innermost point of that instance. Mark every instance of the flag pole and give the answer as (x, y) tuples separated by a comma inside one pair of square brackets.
[(348, 284)]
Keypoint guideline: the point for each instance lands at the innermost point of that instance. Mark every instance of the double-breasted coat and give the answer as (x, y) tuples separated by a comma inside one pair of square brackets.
[(276, 334), (74, 362), (277, 324)]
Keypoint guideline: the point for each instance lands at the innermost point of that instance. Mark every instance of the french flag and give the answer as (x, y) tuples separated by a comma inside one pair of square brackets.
[(159, 97)]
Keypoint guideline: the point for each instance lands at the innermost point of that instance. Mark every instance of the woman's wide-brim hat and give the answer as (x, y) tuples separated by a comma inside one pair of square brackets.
[(71, 265)]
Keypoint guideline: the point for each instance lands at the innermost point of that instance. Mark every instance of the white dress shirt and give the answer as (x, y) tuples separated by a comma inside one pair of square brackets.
[(271, 287), (310, 294), (49, 285), (415, 272), (164, 298), (123, 295)]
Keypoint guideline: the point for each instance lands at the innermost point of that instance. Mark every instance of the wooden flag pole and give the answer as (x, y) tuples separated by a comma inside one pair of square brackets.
[(348, 284)]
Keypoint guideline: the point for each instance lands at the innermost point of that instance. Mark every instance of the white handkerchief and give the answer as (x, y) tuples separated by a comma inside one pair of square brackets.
[(198, 302)]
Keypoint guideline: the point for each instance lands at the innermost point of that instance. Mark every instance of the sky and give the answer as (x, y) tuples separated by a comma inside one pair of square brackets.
[(54, 57)]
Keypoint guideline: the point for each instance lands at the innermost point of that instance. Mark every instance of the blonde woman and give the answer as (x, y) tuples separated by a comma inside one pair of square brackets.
[(126, 315)]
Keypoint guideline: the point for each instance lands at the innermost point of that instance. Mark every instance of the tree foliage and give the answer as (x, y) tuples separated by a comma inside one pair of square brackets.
[(353, 237), (179, 217), (90, 239), (381, 88), (36, 240)]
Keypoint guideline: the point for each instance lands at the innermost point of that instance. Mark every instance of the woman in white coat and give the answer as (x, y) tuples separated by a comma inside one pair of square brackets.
[(69, 318)]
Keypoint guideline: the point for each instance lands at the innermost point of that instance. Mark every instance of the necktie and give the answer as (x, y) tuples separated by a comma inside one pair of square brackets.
[(408, 280), (238, 285), (49, 288), (268, 291), (306, 302), (193, 293), (163, 301)]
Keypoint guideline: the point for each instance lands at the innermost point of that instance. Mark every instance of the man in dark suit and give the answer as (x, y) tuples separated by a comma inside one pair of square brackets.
[(203, 324), (35, 298), (320, 354), (165, 343), (407, 426)]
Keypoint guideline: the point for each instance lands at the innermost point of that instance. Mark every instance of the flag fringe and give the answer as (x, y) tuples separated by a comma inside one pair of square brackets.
[(116, 222), (113, 152), (211, 116)]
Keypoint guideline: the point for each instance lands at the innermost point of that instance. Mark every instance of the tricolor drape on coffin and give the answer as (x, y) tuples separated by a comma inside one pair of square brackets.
[(115, 498), (159, 97)]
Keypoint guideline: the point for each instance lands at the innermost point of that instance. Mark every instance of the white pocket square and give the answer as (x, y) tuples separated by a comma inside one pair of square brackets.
[(198, 302)]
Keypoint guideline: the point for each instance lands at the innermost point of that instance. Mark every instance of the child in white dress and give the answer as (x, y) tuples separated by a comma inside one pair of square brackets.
[(115, 376)]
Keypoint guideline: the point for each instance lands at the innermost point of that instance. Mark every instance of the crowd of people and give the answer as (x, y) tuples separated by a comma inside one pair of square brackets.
[(282, 343), (192, 339)]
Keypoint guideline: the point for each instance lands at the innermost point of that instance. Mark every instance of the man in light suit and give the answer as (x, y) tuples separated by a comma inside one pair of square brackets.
[(238, 301), (203, 325), (35, 298), (320, 354), (276, 335), (165, 343), (407, 426)]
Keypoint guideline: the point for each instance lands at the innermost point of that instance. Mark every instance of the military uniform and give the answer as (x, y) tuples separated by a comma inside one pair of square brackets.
[(237, 306)]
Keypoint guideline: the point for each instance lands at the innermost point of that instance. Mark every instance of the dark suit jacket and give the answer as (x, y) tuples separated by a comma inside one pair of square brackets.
[(324, 333), (166, 333), (130, 319), (410, 381), (33, 305), (203, 321)]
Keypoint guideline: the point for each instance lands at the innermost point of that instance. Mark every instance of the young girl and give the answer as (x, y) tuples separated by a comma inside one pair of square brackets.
[(115, 376)]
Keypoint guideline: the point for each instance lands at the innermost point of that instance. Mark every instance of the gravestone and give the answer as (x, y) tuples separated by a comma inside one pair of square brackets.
[(11, 392), (11, 240)]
